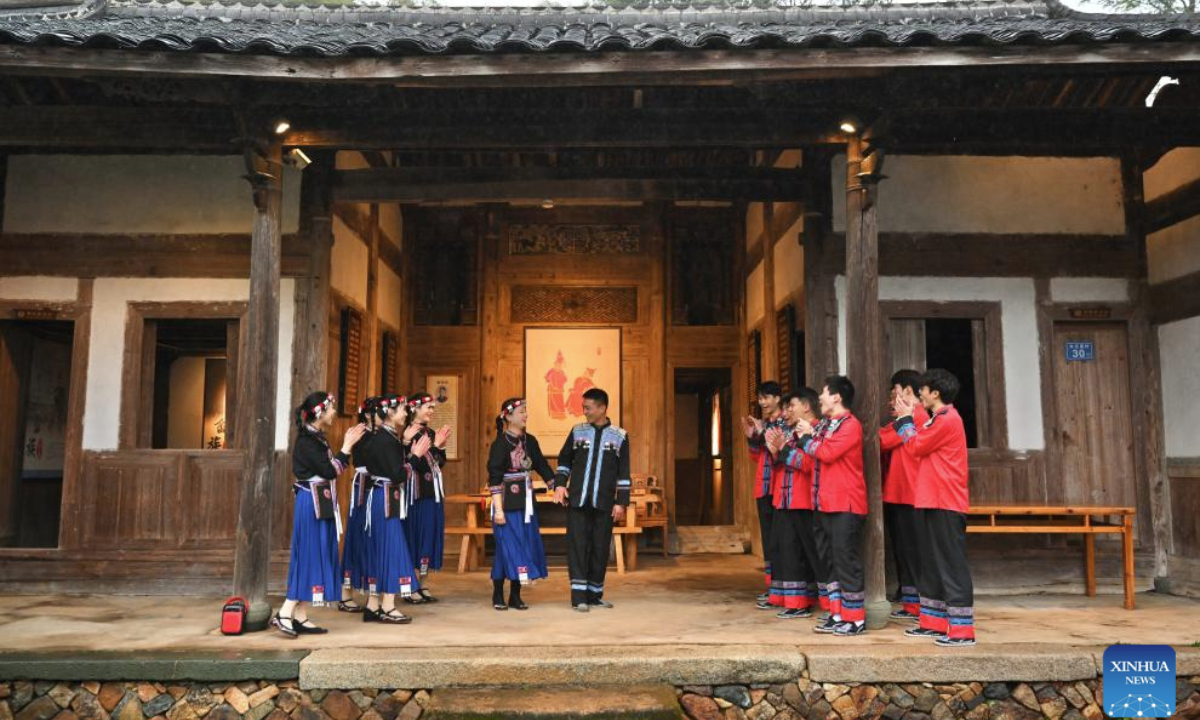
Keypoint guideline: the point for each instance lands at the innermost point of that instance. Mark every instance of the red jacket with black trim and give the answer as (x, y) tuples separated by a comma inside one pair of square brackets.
[(940, 444), (795, 483), (765, 469), (900, 482), (836, 448)]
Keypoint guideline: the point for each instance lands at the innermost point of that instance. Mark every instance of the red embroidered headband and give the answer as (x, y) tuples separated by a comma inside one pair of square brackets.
[(511, 406), (391, 401), (320, 408), (417, 401)]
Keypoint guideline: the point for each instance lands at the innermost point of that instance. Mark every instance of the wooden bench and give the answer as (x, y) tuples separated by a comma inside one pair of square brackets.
[(470, 554), (1061, 519)]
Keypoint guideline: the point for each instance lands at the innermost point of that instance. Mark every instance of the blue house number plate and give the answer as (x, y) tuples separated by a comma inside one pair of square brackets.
[(1083, 351)]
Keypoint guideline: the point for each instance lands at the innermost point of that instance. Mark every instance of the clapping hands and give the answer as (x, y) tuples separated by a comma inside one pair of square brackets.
[(421, 446), (751, 426), (443, 434)]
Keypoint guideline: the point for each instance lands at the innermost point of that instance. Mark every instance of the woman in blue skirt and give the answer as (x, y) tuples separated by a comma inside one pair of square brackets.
[(314, 572), (426, 523), (391, 569), (520, 557), (354, 548)]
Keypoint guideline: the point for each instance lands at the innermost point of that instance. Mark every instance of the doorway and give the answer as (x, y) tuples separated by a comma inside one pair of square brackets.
[(35, 374), (1094, 427), (703, 455)]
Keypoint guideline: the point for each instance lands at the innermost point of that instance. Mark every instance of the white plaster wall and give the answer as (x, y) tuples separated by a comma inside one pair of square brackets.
[(185, 412), (1177, 167), (789, 265), (110, 299), (1023, 393), (993, 195), (1179, 347), (350, 260), (391, 219), (390, 297), (39, 288), (1174, 252), (1111, 290), (135, 194), (754, 297)]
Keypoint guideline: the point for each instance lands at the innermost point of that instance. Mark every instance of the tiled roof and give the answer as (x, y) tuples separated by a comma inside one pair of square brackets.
[(356, 28)]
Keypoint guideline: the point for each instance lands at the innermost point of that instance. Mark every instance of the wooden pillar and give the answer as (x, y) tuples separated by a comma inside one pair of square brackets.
[(251, 564), (1150, 456), (373, 376), (770, 331), (820, 303), (863, 344), (310, 346)]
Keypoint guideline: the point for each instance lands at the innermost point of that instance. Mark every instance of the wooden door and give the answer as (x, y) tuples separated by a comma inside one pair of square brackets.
[(15, 347), (1094, 426)]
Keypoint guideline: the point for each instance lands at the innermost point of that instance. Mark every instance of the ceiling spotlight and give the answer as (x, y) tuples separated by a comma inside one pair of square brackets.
[(548, 204), (848, 126), (282, 126)]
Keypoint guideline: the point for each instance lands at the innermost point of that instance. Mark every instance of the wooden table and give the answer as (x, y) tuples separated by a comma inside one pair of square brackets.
[(470, 553), (1060, 519)]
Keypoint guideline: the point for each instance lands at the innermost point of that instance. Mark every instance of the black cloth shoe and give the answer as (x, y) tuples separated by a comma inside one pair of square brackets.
[(514, 596), (601, 604), (498, 595), (349, 606), (794, 614), (826, 627), (763, 597), (394, 617), (904, 615), (425, 596), (850, 628), (765, 605), (285, 625), (920, 632), (581, 607), (370, 615), (307, 627), (954, 642)]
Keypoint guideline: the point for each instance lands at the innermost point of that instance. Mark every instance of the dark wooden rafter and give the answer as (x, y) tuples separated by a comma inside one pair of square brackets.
[(415, 185), (1175, 299), (1172, 207), (360, 223)]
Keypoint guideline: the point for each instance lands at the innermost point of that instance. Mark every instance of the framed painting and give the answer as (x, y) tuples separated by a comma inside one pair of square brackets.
[(561, 364)]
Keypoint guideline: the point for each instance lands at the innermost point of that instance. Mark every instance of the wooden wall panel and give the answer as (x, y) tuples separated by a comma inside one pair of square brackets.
[(129, 498), (209, 495), (1006, 477), (1185, 506)]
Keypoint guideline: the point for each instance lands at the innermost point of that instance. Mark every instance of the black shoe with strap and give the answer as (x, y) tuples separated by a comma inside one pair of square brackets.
[(425, 596), (370, 615), (284, 625), (394, 617), (308, 627), (349, 606)]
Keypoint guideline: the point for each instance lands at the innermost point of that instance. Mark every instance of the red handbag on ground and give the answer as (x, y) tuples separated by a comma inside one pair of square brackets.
[(233, 616)]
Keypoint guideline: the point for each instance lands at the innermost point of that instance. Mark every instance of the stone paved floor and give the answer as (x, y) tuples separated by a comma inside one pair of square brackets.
[(692, 600)]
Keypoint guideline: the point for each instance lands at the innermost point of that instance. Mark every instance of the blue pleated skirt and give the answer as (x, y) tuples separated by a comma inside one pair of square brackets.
[(354, 548), (518, 548), (390, 565), (314, 566), (426, 530)]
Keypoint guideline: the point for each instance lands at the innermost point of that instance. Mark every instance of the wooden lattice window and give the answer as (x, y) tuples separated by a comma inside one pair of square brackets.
[(389, 363), (350, 362), (754, 369), (785, 333)]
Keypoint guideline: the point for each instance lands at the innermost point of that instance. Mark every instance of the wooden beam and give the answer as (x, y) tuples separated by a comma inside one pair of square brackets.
[(820, 303), (371, 384), (251, 567), (310, 348), (1175, 299), (864, 346), (416, 185), (88, 255), (998, 255), (3, 187), (1169, 208), (770, 334), (538, 69)]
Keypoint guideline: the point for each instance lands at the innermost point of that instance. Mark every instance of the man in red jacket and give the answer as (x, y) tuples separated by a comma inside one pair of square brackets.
[(947, 594), (899, 493), (769, 395), (797, 571), (840, 499)]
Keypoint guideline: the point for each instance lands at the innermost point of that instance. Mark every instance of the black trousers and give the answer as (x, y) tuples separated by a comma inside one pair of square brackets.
[(842, 539), (904, 540), (947, 593), (766, 515), (589, 535), (793, 582)]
